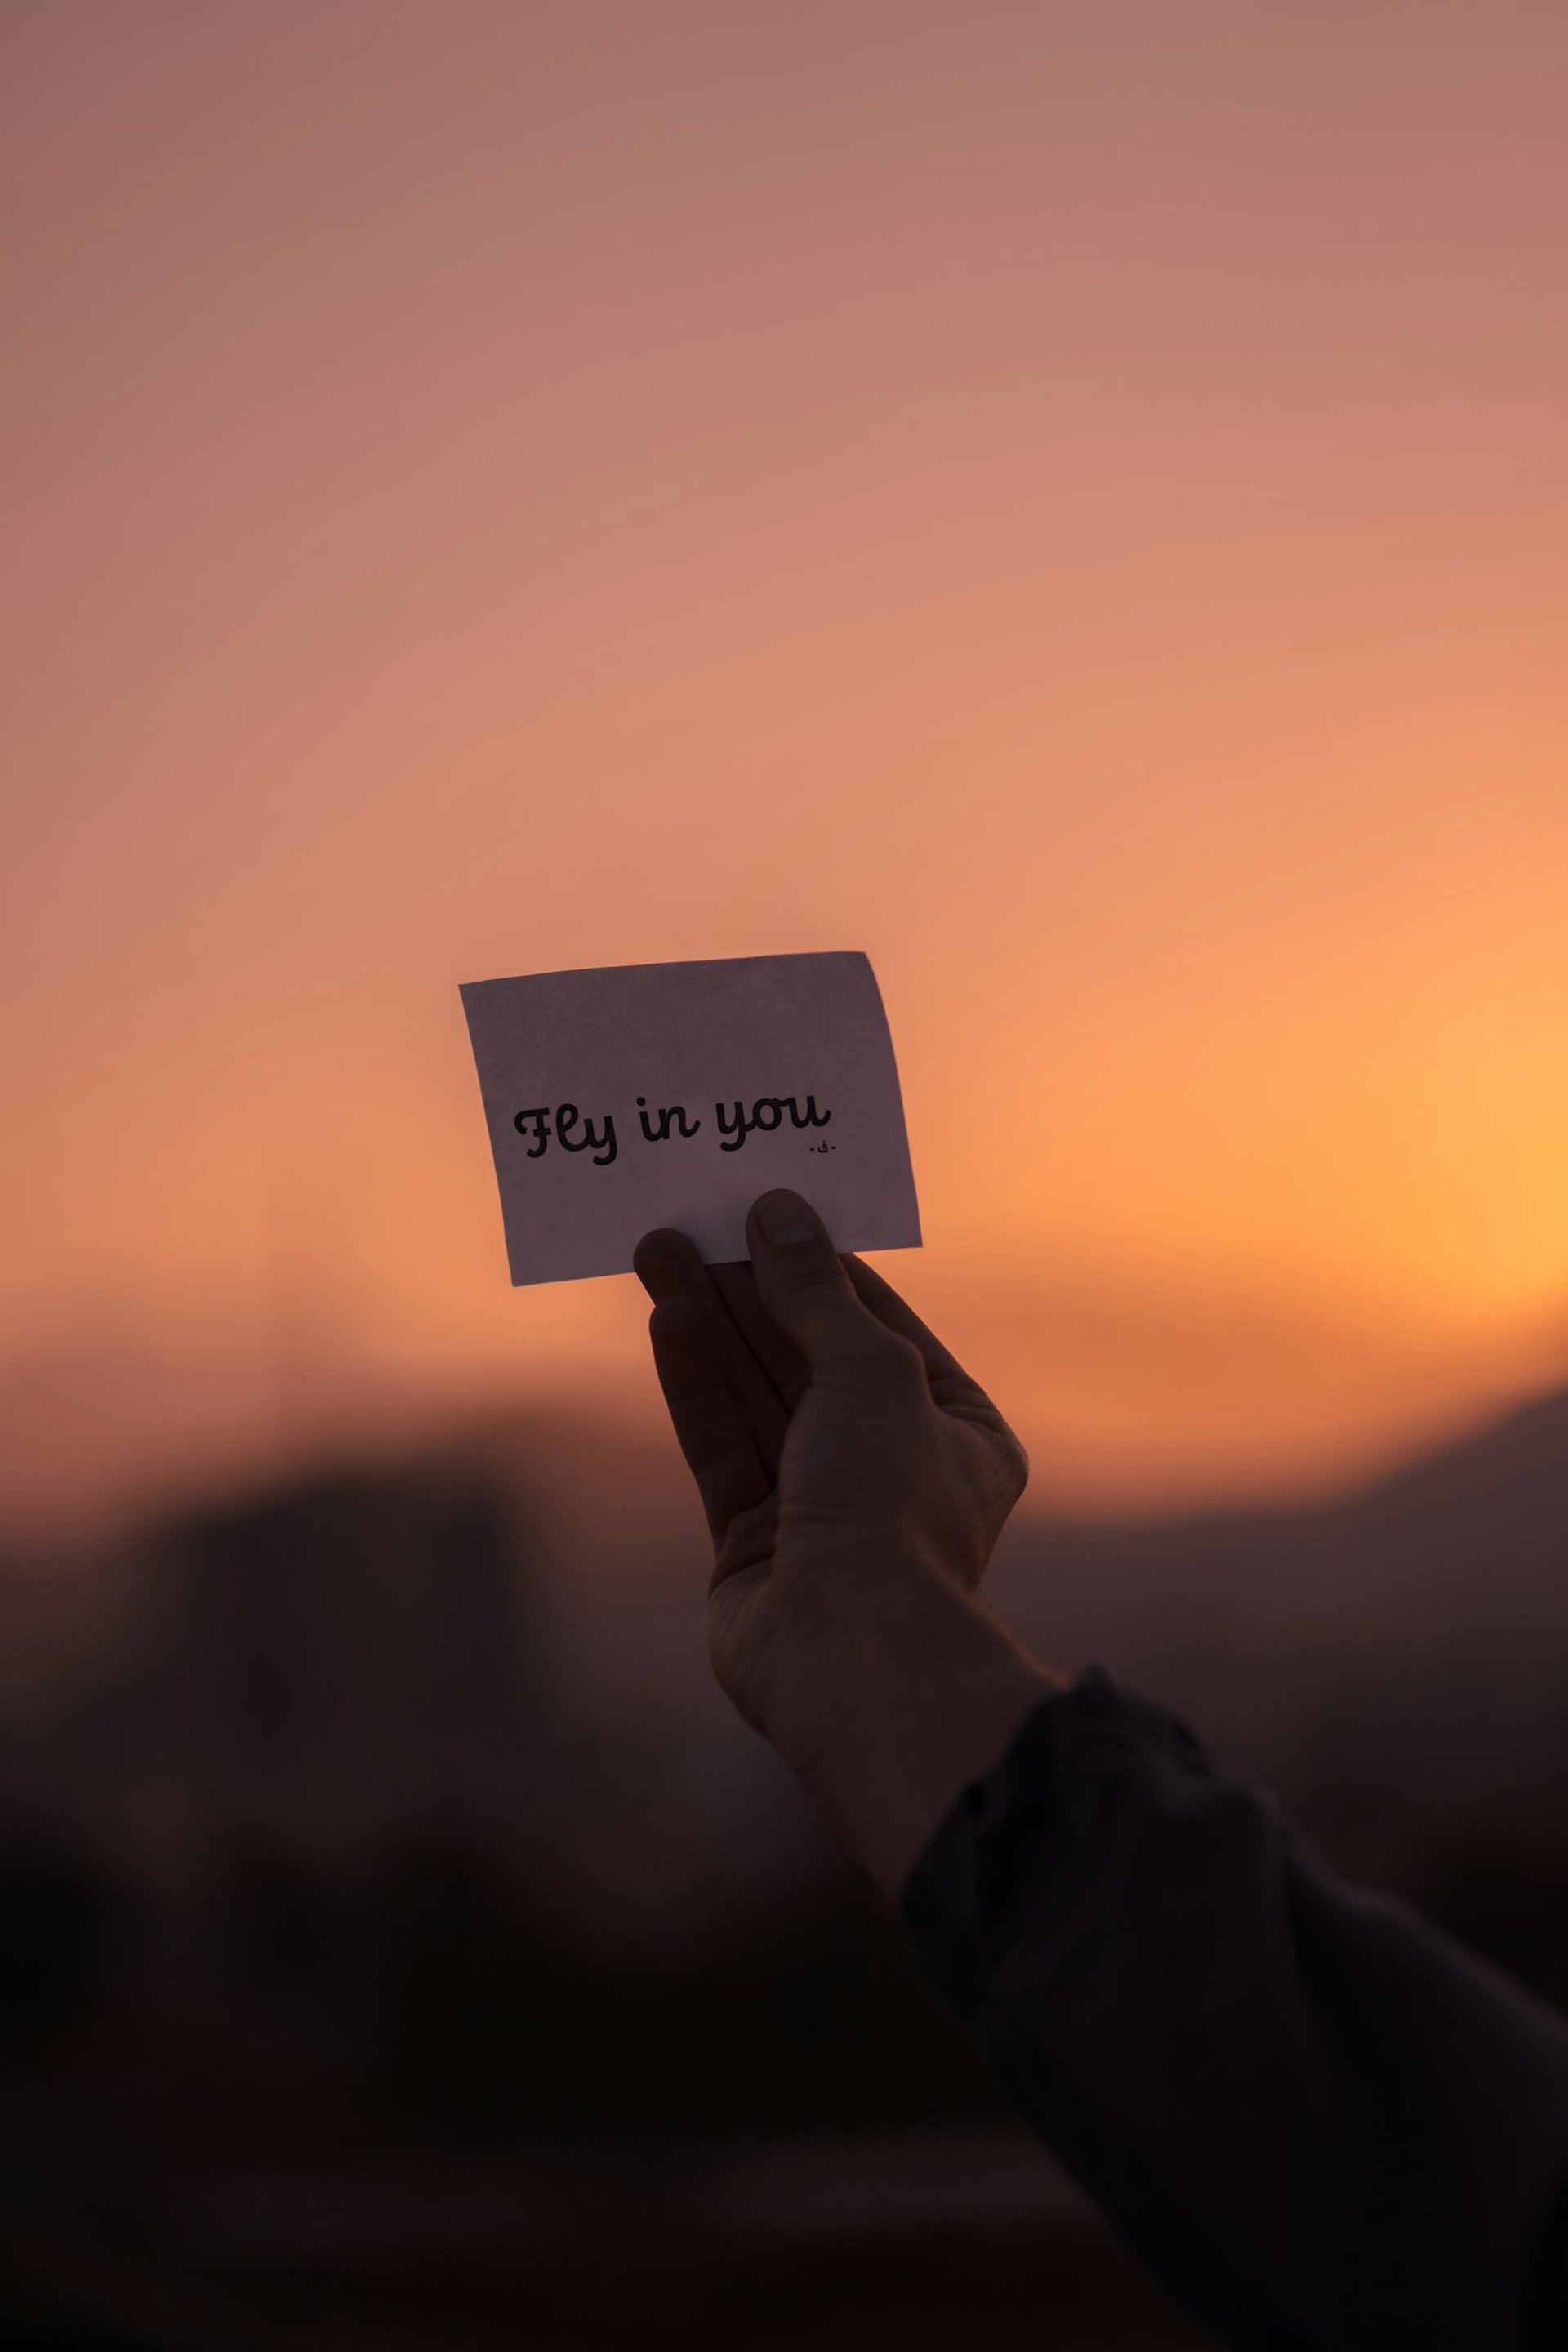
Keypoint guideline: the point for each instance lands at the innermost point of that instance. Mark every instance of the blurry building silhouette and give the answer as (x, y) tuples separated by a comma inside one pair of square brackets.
[(342, 1660)]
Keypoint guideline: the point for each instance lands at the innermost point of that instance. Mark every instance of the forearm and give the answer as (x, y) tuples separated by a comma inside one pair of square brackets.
[(908, 1692), (1316, 2120)]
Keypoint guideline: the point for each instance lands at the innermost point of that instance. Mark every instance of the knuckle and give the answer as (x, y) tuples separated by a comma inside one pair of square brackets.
[(819, 1277), (898, 1362)]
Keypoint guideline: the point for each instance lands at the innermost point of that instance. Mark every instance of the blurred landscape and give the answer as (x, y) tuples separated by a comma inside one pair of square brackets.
[(1068, 501), (402, 1943)]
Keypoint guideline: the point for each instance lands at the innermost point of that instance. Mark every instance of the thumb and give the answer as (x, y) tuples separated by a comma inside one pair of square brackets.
[(805, 1289)]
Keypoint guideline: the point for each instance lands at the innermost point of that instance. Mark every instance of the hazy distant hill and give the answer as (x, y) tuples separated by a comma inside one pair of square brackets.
[(1396, 1661)]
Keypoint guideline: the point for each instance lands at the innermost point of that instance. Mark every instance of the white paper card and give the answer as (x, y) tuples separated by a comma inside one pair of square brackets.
[(672, 1093)]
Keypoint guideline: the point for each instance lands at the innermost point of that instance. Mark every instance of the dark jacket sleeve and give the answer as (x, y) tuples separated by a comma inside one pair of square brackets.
[(1320, 2125)]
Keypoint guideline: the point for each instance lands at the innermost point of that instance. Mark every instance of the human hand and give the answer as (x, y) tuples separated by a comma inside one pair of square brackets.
[(855, 1480)]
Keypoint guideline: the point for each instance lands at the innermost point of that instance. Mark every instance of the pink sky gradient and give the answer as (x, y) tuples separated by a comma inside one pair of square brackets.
[(1071, 501)]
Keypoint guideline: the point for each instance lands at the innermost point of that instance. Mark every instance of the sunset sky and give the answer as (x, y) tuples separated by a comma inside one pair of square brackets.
[(1071, 500)]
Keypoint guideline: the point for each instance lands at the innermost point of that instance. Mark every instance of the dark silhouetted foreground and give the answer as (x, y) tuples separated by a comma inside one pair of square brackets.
[(402, 1945)]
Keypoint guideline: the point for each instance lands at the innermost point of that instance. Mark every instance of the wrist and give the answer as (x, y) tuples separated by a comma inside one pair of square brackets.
[(900, 1691)]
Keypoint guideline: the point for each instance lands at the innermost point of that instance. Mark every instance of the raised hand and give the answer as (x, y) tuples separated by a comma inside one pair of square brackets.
[(855, 1479)]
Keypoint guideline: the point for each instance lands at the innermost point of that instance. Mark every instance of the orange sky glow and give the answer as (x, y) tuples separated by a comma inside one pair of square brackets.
[(1070, 499)]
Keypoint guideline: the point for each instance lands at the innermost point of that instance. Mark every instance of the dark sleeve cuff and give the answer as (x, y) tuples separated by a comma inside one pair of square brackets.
[(1044, 1819)]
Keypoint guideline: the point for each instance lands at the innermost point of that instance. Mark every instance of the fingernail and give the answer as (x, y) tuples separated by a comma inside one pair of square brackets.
[(784, 1218)]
